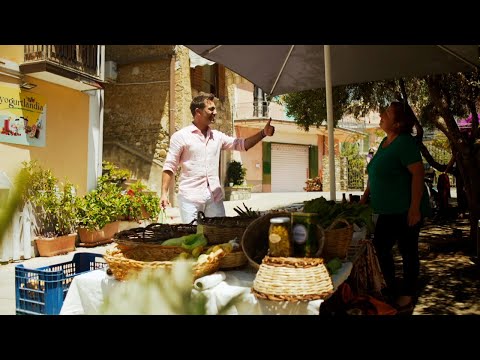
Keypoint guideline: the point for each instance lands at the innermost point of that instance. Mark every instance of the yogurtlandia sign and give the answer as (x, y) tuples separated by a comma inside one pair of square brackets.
[(23, 117)]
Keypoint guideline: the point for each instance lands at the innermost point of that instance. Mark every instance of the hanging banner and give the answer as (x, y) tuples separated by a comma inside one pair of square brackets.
[(23, 117)]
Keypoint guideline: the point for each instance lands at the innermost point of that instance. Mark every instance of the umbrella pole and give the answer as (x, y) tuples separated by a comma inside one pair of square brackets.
[(331, 140)]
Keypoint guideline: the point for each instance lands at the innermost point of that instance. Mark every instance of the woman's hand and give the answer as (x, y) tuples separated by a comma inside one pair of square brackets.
[(414, 216)]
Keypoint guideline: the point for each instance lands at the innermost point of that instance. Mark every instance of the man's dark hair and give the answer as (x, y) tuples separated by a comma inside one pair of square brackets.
[(198, 102)]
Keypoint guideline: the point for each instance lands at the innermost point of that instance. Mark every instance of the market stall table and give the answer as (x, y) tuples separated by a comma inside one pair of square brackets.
[(88, 291)]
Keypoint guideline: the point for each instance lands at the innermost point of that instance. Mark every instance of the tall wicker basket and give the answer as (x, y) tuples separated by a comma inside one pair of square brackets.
[(337, 241), (220, 230)]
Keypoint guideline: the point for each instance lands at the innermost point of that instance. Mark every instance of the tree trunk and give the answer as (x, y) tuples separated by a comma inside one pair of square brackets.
[(471, 175), (467, 152)]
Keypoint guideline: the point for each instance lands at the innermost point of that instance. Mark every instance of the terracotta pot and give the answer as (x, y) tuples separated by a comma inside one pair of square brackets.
[(92, 236), (56, 245)]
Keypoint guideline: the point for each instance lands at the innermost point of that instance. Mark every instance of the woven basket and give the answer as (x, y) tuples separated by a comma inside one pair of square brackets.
[(255, 238), (220, 230), (337, 241), (233, 260), (124, 264), (151, 236), (292, 279)]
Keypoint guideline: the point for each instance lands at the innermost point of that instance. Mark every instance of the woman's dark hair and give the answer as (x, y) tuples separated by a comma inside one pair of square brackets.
[(403, 115), (198, 102)]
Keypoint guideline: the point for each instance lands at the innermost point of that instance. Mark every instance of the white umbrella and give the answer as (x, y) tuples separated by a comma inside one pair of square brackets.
[(280, 69)]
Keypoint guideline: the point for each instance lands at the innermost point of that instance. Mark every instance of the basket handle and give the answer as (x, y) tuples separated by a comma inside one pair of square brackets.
[(321, 240), (200, 216), (337, 221)]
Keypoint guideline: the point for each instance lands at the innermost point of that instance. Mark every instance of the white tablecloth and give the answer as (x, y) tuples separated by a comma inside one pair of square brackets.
[(87, 293)]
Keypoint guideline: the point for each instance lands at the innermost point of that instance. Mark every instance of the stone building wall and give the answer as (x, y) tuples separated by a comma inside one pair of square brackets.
[(326, 174), (137, 109)]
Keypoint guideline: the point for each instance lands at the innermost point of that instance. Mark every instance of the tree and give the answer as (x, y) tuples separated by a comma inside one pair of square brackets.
[(436, 100)]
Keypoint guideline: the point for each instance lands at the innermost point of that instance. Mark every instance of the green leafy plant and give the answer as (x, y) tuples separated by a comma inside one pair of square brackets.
[(142, 203), (109, 202), (112, 173), (12, 202), (103, 205), (54, 204), (236, 173)]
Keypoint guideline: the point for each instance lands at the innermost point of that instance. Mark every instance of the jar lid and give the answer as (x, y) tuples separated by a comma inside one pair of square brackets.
[(279, 220)]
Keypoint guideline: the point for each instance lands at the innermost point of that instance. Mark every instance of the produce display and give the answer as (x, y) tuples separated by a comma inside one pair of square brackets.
[(329, 211), (248, 212)]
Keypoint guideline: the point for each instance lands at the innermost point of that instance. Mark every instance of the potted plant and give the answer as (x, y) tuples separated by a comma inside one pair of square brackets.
[(237, 189), (236, 173), (54, 208), (114, 206), (99, 212), (142, 203)]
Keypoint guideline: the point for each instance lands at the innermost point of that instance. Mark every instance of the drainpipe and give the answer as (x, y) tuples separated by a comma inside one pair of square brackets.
[(171, 128)]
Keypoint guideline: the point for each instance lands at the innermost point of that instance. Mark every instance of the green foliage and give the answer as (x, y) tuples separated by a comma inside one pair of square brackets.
[(355, 164), (309, 107), (13, 201), (55, 205), (101, 206), (109, 202), (143, 203), (112, 173), (236, 173), (330, 211)]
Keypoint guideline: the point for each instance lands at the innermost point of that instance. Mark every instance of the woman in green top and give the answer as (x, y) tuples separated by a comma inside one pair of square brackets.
[(396, 190)]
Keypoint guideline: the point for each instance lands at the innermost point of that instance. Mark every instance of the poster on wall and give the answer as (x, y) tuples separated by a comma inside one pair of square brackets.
[(23, 117)]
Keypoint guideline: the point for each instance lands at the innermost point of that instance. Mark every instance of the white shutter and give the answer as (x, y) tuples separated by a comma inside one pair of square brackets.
[(289, 167)]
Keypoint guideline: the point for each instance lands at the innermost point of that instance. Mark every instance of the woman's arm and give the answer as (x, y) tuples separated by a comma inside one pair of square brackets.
[(366, 194), (418, 175)]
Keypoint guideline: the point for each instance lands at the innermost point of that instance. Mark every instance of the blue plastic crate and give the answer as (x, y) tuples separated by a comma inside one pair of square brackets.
[(41, 291)]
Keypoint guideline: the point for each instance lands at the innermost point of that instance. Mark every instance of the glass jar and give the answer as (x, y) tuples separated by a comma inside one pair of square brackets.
[(304, 234), (279, 239)]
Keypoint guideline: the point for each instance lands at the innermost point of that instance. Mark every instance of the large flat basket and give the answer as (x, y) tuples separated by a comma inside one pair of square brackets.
[(152, 236), (125, 264)]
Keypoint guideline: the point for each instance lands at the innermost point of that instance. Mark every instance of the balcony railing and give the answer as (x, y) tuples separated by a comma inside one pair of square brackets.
[(354, 125), (259, 110), (83, 58)]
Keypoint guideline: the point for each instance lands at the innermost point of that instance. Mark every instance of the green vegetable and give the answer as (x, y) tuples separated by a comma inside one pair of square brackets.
[(188, 242), (334, 265)]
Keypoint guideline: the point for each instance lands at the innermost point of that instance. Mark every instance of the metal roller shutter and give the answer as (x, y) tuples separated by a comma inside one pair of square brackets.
[(289, 167)]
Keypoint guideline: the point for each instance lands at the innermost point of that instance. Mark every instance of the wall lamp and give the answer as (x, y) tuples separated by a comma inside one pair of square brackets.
[(27, 85)]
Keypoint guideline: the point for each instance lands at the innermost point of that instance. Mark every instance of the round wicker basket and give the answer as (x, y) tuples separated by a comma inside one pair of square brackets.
[(233, 259), (255, 238), (292, 279)]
